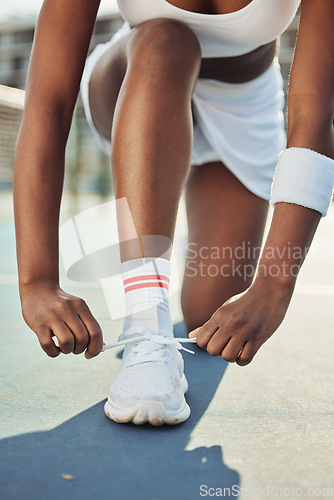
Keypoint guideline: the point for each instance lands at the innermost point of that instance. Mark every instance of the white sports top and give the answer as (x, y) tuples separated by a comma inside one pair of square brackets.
[(221, 35)]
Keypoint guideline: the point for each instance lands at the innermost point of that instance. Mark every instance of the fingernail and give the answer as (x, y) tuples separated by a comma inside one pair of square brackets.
[(192, 334)]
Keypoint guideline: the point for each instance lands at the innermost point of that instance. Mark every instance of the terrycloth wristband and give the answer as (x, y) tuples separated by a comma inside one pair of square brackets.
[(303, 177)]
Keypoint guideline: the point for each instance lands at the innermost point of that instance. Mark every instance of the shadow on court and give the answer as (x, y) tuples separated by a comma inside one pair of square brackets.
[(117, 461)]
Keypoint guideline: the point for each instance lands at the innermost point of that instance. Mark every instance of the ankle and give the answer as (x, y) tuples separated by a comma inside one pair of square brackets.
[(146, 247), (146, 283)]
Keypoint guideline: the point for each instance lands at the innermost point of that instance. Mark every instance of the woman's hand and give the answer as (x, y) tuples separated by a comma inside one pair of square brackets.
[(49, 311), (243, 323)]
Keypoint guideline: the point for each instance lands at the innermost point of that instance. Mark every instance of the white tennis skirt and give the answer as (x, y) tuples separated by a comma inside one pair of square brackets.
[(239, 124)]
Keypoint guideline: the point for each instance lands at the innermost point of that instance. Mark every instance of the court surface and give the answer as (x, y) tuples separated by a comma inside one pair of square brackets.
[(262, 431)]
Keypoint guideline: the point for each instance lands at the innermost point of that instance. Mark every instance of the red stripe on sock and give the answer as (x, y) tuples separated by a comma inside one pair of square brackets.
[(147, 277), (146, 285)]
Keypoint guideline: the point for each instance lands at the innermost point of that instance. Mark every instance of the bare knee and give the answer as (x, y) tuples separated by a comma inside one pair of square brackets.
[(201, 299), (165, 42)]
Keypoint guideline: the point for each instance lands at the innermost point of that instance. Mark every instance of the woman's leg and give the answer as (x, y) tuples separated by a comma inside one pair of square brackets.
[(141, 96), (226, 223), (146, 80)]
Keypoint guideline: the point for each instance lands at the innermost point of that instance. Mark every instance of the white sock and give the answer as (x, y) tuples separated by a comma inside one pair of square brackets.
[(146, 283)]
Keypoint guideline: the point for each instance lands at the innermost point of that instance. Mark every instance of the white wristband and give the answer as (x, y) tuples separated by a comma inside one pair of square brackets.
[(303, 177)]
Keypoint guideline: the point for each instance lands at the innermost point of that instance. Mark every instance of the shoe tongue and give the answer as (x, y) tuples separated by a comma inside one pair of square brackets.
[(139, 331)]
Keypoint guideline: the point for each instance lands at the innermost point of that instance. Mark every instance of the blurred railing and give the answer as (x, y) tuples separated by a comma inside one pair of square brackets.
[(11, 109)]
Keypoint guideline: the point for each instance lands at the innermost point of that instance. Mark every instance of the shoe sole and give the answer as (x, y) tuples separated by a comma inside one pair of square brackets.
[(151, 412)]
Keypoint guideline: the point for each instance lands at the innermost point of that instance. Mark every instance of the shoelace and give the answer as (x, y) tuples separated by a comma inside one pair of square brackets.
[(149, 346)]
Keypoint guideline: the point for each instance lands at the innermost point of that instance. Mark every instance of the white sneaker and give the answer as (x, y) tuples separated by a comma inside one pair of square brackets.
[(151, 384)]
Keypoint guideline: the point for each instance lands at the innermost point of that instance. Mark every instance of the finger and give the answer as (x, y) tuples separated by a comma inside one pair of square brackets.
[(205, 332), (44, 336), (248, 352), (64, 336), (232, 351), (95, 341), (79, 332), (218, 342)]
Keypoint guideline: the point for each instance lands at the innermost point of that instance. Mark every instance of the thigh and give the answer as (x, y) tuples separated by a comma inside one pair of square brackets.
[(226, 223), (141, 54), (105, 83)]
